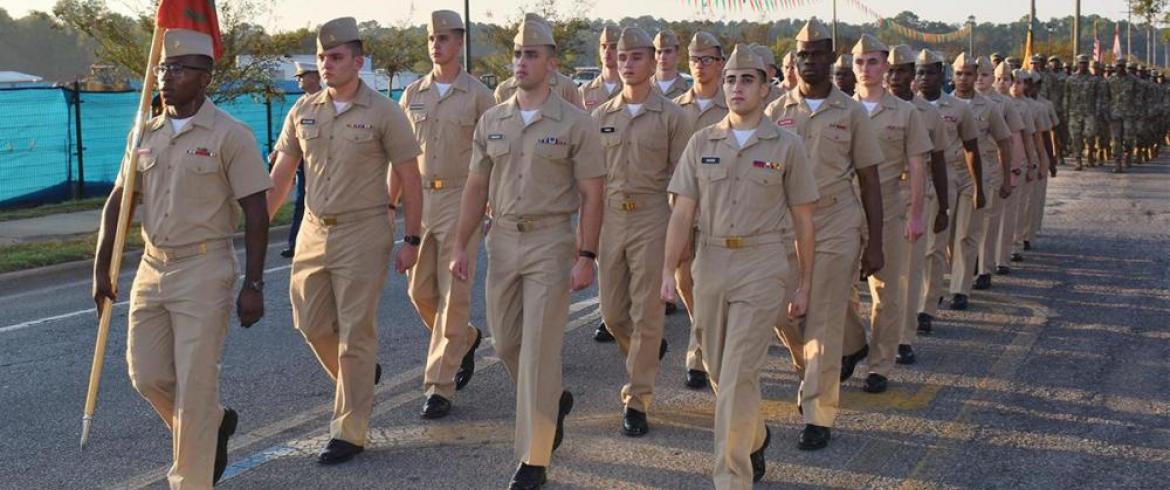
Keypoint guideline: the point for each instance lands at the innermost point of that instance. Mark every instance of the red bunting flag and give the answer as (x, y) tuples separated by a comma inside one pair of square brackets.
[(196, 15)]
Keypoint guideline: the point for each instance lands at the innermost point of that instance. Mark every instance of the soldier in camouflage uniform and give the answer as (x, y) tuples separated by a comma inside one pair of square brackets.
[(1083, 101), (1058, 79), (1101, 139), (1122, 116)]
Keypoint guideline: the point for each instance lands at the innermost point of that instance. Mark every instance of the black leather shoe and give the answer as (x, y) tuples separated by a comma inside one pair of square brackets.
[(467, 367), (671, 308), (377, 373), (757, 456), (338, 451), (982, 281), (566, 407), (925, 324), (696, 379), (227, 427), (1016, 257), (875, 383), (959, 302), (849, 362), (528, 478), (662, 349), (813, 437), (1027, 245), (602, 334), (634, 423), (287, 253), (1002, 270), (436, 407), (905, 355)]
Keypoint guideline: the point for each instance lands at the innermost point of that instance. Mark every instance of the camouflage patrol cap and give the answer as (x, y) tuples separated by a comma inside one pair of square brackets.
[(963, 60), (984, 66), (765, 53), (1053, 58), (1131, 65), (900, 55), (813, 30), (337, 32), (666, 38), (634, 38), (1022, 74), (703, 40), (609, 35), (182, 42), (534, 31), (1082, 58), (928, 57), (443, 21), (868, 44), (844, 61), (1037, 58), (743, 57)]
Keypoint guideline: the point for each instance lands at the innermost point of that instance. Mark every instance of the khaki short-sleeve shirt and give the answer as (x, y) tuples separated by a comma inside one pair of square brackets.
[(744, 191), (189, 181), (990, 121), (443, 124), (839, 136), (677, 87), (533, 168), (1027, 118), (902, 135), (932, 119), (595, 92), (642, 150), (699, 116), (959, 123), (561, 85), (347, 155), (1011, 115)]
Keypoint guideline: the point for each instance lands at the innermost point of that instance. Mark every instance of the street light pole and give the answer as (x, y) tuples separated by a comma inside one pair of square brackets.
[(971, 35), (834, 26), (1076, 44), (467, 35)]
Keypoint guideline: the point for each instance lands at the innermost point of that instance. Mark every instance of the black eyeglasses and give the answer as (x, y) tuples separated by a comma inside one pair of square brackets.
[(176, 69), (704, 60)]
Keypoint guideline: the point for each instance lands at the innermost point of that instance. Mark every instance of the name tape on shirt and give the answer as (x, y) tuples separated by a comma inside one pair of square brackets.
[(308, 122), (608, 129), (709, 160), (786, 122), (495, 137), (416, 107), (143, 151)]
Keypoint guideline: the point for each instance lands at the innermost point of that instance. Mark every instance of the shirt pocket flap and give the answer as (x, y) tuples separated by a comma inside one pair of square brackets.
[(552, 151), (308, 132), (497, 148), (146, 162)]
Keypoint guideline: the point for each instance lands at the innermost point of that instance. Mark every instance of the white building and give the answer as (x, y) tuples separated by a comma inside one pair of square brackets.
[(377, 79), (16, 79)]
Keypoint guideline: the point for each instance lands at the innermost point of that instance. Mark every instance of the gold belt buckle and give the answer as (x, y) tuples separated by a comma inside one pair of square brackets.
[(903, 176), (437, 184), (203, 248), (329, 221), (629, 205), (733, 242), (525, 225)]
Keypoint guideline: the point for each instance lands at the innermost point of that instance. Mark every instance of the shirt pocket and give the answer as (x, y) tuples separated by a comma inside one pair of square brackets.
[(497, 149), (765, 189), (553, 152), (201, 178), (360, 136)]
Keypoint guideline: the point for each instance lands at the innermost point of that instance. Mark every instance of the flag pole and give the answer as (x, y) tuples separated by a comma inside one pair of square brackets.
[(129, 175)]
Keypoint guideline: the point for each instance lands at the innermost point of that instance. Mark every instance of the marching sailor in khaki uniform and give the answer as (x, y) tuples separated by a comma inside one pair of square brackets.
[(643, 134), (195, 163), (904, 142), (745, 182), (769, 58), (788, 69), (704, 105), (994, 214), (843, 143), (667, 80), (537, 159), (609, 83), (443, 108), (1013, 92), (561, 84), (349, 136), (843, 76)]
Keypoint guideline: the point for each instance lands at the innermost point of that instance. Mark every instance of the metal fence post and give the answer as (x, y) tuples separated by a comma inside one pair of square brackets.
[(79, 187), (268, 120)]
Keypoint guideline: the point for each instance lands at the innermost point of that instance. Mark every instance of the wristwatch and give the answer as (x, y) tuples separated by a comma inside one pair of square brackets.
[(257, 285), (587, 254), (412, 240)]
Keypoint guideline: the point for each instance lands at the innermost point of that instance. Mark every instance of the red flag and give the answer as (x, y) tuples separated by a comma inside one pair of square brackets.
[(1116, 42), (196, 15)]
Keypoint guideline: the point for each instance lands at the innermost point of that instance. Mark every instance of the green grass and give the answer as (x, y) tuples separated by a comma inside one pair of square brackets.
[(31, 255), (47, 209)]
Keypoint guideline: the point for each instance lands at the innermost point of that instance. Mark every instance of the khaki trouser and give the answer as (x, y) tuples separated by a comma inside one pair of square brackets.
[(739, 293), (179, 313), (988, 232), (1024, 213), (443, 304), (964, 233), (630, 258), (1005, 234), (936, 243), (338, 272), (817, 338), (527, 307), (915, 268), (1036, 219), (686, 291), (887, 290)]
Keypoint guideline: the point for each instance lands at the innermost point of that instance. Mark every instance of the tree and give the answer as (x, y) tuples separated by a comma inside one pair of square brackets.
[(395, 49)]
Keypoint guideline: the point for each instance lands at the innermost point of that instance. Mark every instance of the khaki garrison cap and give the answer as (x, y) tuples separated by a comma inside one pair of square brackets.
[(844, 61), (1083, 58), (181, 42), (928, 57), (534, 31), (744, 58), (962, 60), (666, 38), (765, 53), (900, 55), (703, 40), (1003, 70), (984, 65), (610, 35), (1022, 74), (337, 32), (444, 20), (813, 30), (869, 44), (634, 38), (303, 68)]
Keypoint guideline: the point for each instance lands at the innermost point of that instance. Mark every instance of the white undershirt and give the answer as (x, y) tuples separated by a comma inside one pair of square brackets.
[(703, 103), (664, 85), (742, 135), (178, 124), (869, 106), (443, 88), (610, 86), (528, 115), (814, 104), (933, 102), (340, 106), (633, 108)]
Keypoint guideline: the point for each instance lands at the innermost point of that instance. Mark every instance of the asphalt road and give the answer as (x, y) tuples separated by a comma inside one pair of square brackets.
[(1058, 377)]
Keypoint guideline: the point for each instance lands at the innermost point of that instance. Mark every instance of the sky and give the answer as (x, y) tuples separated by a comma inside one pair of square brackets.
[(292, 14)]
